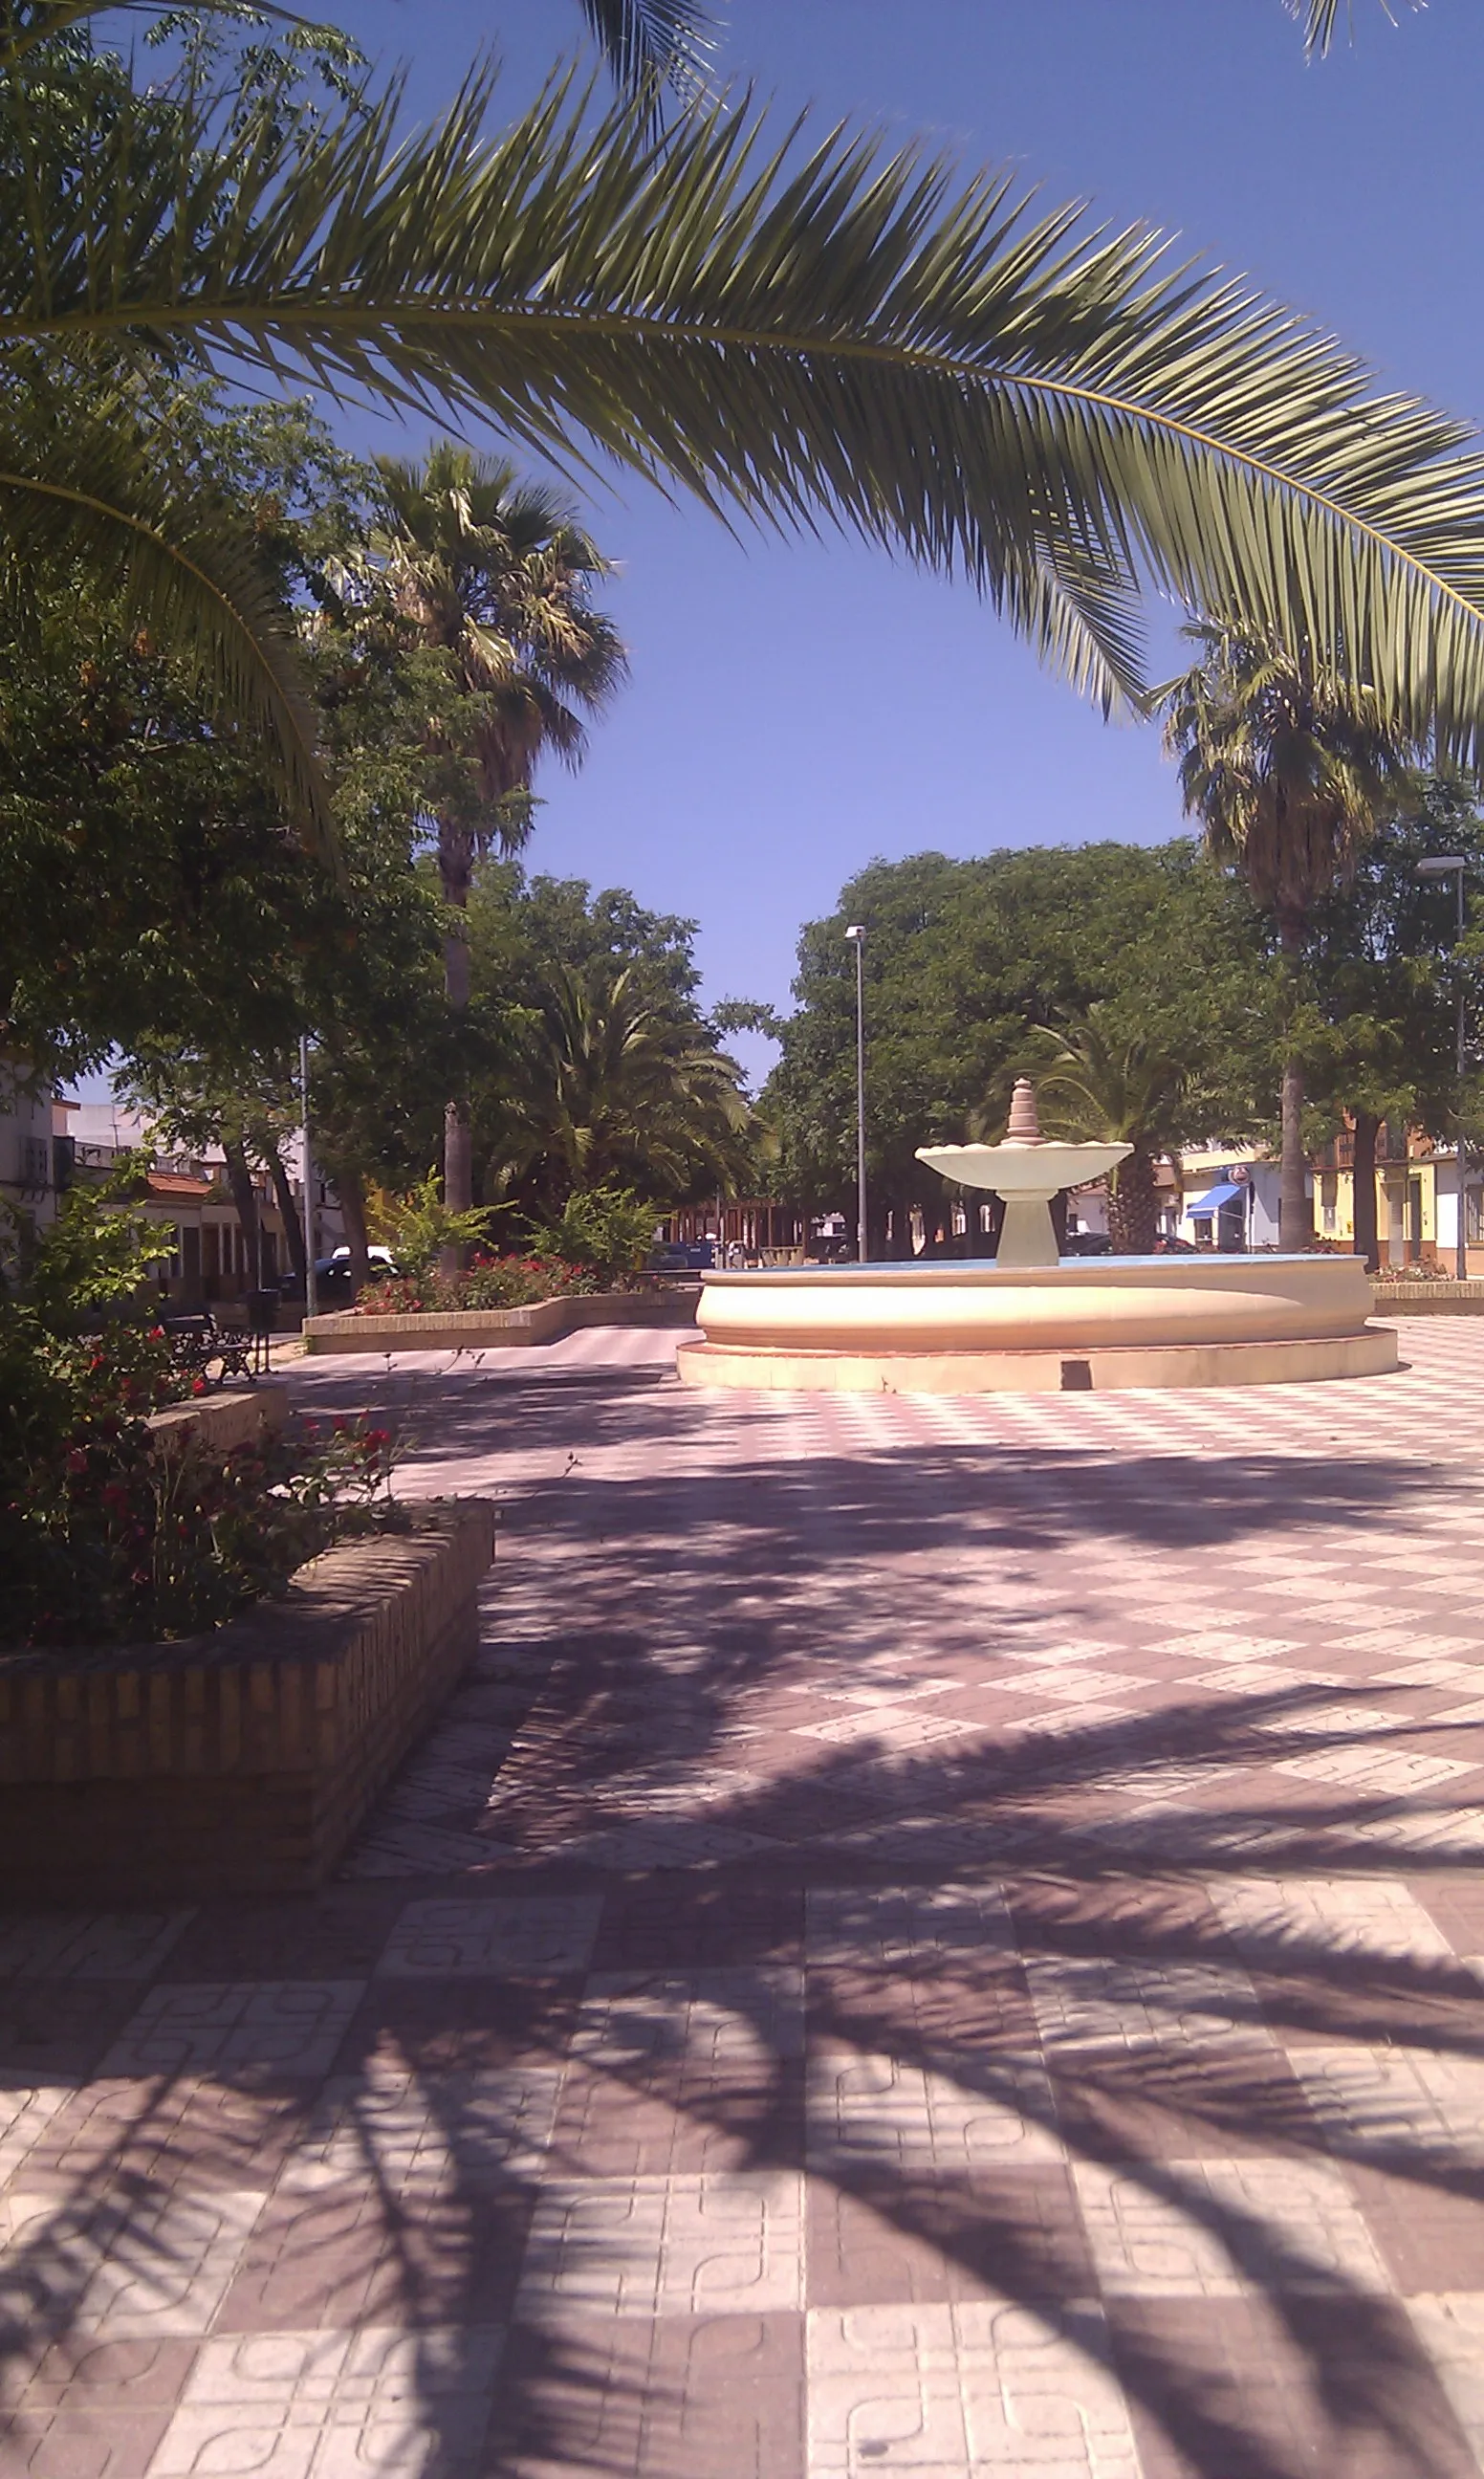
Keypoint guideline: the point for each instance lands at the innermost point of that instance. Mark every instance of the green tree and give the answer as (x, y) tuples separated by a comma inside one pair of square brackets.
[(964, 959), (1286, 768), (1383, 981), (799, 330), (496, 576)]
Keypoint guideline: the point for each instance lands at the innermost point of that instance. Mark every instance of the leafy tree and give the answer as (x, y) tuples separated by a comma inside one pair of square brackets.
[(964, 959), (1286, 768), (495, 575), (1382, 985), (1025, 402)]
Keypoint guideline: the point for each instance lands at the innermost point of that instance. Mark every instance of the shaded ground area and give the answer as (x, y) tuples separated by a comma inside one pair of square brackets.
[(940, 1937)]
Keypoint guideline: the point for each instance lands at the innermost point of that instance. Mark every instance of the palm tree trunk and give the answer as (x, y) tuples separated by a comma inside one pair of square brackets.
[(353, 1213), (245, 1196), (289, 1212), (1133, 1206), (1296, 1210), (1367, 1236), (455, 864)]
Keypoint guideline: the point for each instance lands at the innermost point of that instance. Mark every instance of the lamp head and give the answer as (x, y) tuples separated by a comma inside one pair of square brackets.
[(855, 931), (1442, 866)]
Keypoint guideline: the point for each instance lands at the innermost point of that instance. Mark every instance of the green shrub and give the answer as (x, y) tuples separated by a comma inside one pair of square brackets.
[(108, 1534), (419, 1227), (607, 1229), (486, 1283)]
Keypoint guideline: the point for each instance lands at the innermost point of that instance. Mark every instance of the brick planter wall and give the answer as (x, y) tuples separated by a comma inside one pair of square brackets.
[(222, 1422), (501, 1329), (1424, 1298), (241, 1761)]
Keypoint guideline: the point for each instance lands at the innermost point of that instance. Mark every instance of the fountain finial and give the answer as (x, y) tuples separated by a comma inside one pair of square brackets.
[(1024, 1127)]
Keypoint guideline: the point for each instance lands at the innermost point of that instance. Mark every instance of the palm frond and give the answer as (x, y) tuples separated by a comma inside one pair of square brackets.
[(801, 332), (177, 563), (1322, 17), (651, 44)]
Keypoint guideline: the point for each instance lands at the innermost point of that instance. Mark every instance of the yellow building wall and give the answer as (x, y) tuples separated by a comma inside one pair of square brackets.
[(1334, 1203)]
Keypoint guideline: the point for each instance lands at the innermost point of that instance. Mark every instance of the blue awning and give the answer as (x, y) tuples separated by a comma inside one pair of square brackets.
[(1216, 1197)]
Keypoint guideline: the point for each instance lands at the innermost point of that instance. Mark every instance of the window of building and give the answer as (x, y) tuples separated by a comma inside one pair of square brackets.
[(1329, 1200)]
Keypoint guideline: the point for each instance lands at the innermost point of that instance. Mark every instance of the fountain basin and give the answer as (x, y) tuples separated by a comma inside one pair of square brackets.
[(969, 1328)]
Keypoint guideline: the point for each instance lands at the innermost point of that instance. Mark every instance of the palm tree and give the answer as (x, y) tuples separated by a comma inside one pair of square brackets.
[(1286, 767), (496, 575), (799, 330), (613, 1085), (1098, 1085)]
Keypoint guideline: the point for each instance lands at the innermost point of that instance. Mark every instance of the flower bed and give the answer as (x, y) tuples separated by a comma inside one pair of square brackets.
[(242, 1760), (127, 1517), (486, 1283)]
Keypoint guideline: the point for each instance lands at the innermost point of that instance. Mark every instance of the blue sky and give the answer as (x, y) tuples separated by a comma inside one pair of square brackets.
[(797, 709)]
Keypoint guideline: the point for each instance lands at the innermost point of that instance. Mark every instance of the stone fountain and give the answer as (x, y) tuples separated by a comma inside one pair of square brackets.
[(1028, 1321), (1025, 1172)]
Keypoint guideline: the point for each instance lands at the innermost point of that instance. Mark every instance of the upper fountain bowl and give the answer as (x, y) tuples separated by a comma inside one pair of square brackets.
[(1022, 1169)]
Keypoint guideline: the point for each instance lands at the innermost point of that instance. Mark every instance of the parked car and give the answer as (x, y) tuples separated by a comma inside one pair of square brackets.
[(333, 1283), (1087, 1243), (1168, 1246), (683, 1257)]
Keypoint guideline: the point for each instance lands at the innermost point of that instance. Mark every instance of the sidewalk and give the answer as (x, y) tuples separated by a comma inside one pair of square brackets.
[(942, 1937)]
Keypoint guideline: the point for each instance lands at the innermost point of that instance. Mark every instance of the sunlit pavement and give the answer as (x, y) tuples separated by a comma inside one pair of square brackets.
[(942, 1937)]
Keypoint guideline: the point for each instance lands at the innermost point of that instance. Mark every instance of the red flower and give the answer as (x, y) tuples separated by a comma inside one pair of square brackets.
[(77, 1460), (199, 1386)]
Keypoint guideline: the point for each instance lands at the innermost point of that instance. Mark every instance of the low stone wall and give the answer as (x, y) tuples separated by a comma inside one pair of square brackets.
[(242, 1761), (1431, 1298), (222, 1422), (499, 1329)]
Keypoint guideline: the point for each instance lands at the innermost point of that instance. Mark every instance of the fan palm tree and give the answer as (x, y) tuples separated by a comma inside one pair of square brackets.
[(1286, 768), (496, 575), (799, 330), (612, 1086), (1099, 1085)]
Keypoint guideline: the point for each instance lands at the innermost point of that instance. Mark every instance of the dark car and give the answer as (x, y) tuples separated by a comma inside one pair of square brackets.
[(683, 1257), (333, 1285), (1168, 1246), (1087, 1243)]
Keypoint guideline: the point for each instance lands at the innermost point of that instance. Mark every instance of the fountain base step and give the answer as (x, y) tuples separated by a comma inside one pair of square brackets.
[(1371, 1353)]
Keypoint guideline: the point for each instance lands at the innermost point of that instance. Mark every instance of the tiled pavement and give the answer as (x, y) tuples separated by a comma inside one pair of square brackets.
[(942, 1937)]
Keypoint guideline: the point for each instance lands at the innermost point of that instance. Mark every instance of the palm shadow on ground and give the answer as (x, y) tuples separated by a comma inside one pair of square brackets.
[(653, 1714)]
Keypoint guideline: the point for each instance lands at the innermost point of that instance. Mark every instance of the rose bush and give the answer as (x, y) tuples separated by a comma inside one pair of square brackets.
[(110, 1533), (485, 1282)]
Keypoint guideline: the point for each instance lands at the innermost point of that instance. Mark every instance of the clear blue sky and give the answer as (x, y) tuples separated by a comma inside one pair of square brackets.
[(797, 709)]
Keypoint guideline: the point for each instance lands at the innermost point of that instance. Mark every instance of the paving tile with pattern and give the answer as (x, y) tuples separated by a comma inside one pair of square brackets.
[(938, 1936)]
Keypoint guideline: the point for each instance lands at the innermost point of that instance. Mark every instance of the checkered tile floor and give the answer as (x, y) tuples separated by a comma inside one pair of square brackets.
[(940, 1936)]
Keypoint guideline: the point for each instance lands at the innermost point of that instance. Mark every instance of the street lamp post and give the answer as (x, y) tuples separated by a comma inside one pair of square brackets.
[(1454, 865), (855, 933), (310, 1302)]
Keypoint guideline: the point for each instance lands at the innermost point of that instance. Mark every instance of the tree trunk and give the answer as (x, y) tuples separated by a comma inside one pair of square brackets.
[(245, 1196), (353, 1213), (1367, 1237), (1296, 1210), (455, 864), (1133, 1206), (289, 1211)]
